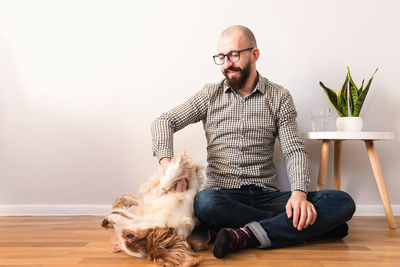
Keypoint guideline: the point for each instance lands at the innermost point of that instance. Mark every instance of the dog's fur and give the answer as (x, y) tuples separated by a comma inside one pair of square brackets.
[(158, 224)]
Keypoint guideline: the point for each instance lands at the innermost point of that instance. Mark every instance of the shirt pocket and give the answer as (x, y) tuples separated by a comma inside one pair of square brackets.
[(260, 126)]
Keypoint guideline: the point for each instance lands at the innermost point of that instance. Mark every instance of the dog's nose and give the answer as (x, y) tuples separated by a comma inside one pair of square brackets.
[(104, 223)]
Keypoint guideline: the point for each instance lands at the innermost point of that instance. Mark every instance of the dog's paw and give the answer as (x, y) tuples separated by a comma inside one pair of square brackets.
[(115, 243), (126, 200)]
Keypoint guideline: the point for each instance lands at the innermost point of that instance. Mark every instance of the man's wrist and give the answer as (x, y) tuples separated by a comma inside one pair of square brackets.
[(164, 162), (165, 159), (299, 193)]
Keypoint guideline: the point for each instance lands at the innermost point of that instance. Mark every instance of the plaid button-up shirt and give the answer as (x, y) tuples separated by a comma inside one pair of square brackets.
[(241, 133)]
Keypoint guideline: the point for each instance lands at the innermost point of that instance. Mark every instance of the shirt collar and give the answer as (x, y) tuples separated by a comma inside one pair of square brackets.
[(260, 86)]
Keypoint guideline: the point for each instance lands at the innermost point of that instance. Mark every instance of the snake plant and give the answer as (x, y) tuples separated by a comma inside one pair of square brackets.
[(356, 96)]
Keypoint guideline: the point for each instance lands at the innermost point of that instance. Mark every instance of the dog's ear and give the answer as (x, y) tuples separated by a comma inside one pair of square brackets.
[(198, 245), (166, 247)]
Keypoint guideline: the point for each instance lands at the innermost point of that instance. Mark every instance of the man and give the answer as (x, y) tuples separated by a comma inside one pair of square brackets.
[(242, 116)]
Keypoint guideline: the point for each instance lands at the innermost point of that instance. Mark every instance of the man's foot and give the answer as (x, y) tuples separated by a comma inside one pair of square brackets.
[(233, 239), (339, 232)]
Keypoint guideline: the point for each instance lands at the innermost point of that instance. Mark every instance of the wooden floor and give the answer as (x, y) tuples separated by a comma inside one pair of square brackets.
[(69, 241)]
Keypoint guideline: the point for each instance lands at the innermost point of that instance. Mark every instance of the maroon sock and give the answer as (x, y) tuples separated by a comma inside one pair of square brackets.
[(233, 239)]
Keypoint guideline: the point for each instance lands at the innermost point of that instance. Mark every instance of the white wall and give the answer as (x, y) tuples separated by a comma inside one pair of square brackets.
[(81, 82)]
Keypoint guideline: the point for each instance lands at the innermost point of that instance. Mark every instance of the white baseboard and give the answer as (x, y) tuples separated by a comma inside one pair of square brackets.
[(375, 210), (100, 210)]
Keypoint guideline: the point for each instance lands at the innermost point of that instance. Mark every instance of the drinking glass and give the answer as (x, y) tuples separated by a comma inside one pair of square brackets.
[(320, 118)]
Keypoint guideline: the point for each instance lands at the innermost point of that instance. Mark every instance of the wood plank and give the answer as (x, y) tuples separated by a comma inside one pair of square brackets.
[(42, 244), (77, 241)]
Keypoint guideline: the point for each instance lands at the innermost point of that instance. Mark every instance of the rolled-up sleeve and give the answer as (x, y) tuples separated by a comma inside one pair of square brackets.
[(163, 128), (293, 149)]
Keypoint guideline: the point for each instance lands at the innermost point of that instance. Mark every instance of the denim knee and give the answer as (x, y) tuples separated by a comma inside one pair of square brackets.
[(206, 205), (349, 207), (343, 202)]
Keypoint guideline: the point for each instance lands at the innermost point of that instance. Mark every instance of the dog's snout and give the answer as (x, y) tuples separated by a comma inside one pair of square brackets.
[(104, 223)]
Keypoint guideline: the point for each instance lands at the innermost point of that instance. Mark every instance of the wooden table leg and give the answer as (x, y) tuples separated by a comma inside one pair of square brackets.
[(337, 164), (373, 158), (323, 164)]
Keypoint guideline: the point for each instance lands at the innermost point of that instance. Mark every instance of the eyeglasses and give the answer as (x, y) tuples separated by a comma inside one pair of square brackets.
[(232, 56)]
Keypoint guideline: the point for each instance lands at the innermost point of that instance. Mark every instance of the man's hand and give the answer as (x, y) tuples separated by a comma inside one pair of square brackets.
[(179, 186), (164, 163), (302, 211)]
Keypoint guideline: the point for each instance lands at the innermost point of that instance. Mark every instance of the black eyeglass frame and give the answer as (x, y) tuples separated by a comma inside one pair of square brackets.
[(216, 57)]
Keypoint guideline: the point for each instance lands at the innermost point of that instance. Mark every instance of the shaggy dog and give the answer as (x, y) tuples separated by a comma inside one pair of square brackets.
[(157, 225)]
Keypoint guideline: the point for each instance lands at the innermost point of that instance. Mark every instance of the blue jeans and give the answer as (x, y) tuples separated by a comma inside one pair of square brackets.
[(265, 213)]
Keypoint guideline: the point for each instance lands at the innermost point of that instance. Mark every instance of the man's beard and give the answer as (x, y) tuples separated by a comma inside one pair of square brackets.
[(237, 83)]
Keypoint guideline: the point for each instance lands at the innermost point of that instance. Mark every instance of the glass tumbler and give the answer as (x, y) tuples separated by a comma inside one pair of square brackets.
[(320, 118)]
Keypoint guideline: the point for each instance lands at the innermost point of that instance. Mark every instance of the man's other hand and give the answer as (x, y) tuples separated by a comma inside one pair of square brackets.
[(302, 211), (180, 185), (164, 163)]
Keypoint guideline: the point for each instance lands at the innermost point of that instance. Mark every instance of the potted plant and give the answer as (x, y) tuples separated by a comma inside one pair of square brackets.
[(348, 121)]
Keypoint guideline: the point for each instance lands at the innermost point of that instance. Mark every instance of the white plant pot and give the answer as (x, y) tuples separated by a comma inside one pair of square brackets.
[(349, 124)]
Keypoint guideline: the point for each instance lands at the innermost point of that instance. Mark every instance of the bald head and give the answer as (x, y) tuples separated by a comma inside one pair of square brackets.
[(248, 36), (240, 71)]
